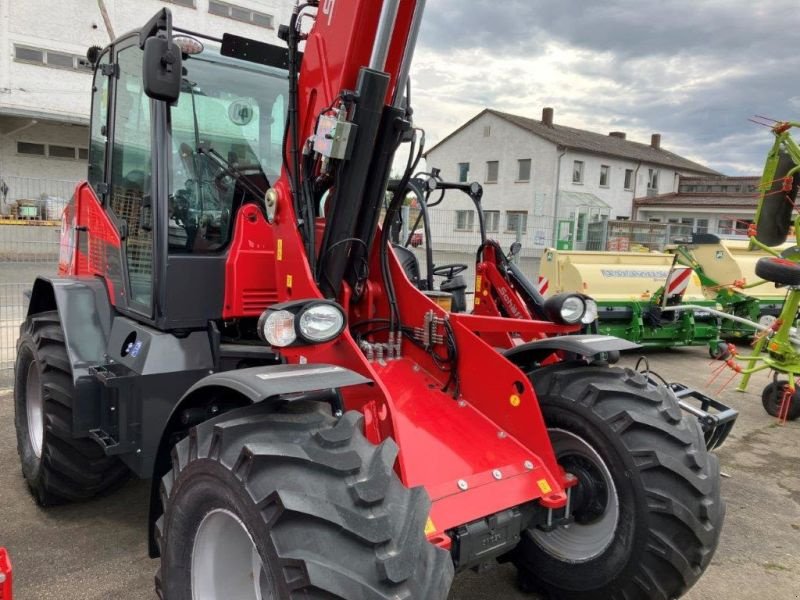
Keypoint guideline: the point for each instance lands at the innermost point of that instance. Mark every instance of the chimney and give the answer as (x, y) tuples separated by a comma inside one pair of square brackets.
[(617, 134), (547, 116), (655, 141)]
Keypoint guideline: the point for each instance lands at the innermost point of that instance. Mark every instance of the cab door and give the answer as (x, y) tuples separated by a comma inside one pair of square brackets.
[(129, 189)]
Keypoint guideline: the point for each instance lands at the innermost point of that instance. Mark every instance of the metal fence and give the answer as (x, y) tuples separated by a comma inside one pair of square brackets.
[(455, 237), (634, 235), (34, 199), (30, 210)]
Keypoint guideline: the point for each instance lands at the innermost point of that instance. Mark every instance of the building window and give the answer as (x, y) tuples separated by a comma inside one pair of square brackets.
[(652, 180), (61, 151), (517, 220), (59, 59), (491, 220), (492, 170), (52, 150), (701, 226), (487, 131), (577, 171), (733, 226), (628, 179), (51, 58), (239, 13), (581, 227), (463, 172), (31, 149), (29, 54), (604, 174), (186, 3), (524, 169), (465, 219)]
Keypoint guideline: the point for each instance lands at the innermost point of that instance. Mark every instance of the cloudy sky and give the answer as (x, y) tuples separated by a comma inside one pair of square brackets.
[(692, 70)]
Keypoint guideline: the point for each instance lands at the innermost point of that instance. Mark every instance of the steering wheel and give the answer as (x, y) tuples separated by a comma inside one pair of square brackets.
[(449, 271)]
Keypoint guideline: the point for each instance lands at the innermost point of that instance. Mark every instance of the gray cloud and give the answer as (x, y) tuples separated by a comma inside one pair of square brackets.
[(692, 70)]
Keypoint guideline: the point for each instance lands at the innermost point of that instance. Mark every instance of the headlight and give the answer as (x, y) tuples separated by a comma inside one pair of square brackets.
[(591, 314), (320, 322), (573, 309), (277, 327), (565, 308), (301, 322)]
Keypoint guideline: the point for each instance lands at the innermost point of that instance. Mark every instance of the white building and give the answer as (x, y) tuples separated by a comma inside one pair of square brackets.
[(545, 180), (45, 79), (724, 206)]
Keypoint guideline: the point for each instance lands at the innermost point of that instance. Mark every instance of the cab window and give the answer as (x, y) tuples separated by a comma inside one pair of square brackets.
[(228, 118)]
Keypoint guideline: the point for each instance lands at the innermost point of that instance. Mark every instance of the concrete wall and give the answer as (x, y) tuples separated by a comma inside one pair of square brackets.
[(55, 96), (614, 194), (507, 144), (13, 164), (74, 25)]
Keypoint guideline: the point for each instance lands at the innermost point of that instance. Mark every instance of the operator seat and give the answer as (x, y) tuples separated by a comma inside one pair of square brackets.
[(409, 263)]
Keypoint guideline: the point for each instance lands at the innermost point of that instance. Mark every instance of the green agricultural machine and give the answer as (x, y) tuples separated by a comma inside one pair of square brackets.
[(636, 294), (727, 272)]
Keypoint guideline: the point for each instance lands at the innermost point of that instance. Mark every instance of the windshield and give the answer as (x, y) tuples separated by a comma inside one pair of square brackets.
[(238, 110)]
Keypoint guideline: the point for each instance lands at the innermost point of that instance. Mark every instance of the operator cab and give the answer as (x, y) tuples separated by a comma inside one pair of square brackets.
[(172, 175)]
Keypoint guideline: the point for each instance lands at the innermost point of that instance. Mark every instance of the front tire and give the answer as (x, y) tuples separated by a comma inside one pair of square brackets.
[(267, 505), (647, 508), (57, 467)]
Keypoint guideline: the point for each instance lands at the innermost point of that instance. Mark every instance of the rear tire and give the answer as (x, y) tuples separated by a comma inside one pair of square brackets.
[(56, 467), (772, 396), (308, 505), (655, 517), (778, 270)]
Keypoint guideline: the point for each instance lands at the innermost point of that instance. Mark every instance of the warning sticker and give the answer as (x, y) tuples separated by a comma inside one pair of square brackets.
[(544, 486), (430, 528)]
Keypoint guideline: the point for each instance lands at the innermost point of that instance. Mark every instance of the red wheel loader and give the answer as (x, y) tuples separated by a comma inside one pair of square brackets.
[(230, 321)]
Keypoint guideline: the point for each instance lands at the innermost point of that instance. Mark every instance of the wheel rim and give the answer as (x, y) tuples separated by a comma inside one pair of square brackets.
[(766, 320), (226, 562), (580, 542), (33, 408)]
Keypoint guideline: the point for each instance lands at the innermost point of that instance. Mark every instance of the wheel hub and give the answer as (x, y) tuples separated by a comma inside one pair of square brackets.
[(590, 496), (34, 408), (226, 562), (594, 503), (767, 320)]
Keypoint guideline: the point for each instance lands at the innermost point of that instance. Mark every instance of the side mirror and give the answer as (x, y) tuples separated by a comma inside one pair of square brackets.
[(515, 248), (161, 69)]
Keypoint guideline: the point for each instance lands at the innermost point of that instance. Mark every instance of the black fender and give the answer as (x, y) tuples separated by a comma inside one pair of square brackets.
[(240, 388), (582, 345), (259, 383), (85, 312)]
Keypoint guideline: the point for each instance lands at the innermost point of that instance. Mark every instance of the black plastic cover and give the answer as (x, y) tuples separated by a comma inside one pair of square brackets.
[(775, 211), (582, 345), (259, 383), (161, 69), (256, 52)]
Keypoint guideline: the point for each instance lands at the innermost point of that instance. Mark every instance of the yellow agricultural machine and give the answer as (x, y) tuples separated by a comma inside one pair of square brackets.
[(727, 271), (636, 294)]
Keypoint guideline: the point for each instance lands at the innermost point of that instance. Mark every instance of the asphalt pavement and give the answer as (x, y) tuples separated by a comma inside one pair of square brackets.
[(97, 550)]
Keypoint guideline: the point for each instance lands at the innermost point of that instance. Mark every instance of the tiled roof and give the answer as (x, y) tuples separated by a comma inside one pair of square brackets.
[(596, 143), (739, 200)]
